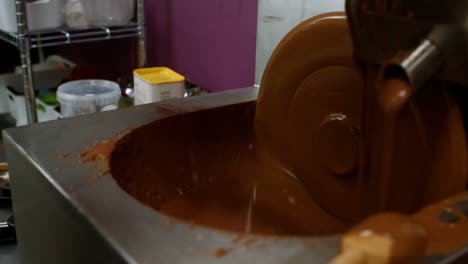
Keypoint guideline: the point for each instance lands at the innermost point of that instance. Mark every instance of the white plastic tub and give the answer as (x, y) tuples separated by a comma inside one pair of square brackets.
[(42, 14), (108, 12), (87, 96)]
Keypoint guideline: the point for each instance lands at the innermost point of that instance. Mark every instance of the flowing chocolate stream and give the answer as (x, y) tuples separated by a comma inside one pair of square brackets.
[(393, 95)]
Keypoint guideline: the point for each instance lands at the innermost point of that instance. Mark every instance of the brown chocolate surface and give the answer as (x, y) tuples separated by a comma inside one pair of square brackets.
[(341, 131), (203, 167), (393, 95), (417, 150), (309, 115)]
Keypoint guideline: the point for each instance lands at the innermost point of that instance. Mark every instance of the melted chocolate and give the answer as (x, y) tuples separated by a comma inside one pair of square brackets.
[(203, 167), (324, 148), (309, 115), (392, 96), (417, 149), (340, 131)]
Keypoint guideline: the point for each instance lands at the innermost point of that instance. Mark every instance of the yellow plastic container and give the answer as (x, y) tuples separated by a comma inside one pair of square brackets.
[(157, 84)]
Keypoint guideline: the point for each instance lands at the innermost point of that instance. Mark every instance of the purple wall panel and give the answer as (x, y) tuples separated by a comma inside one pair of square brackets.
[(212, 42)]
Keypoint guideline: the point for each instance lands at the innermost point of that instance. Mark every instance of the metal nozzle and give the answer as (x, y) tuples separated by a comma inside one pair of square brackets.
[(380, 29), (418, 66)]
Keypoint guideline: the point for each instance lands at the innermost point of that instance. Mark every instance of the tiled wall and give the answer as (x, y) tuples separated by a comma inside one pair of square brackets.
[(277, 17)]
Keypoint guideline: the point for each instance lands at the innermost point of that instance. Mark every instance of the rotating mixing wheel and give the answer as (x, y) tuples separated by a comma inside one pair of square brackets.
[(315, 116)]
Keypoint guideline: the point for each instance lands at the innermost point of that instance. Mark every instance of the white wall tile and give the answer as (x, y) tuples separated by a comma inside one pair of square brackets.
[(277, 17)]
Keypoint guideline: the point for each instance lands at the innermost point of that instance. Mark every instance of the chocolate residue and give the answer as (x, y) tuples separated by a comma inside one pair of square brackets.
[(64, 155), (167, 110), (244, 240), (175, 110), (101, 151), (220, 252), (248, 243), (238, 238)]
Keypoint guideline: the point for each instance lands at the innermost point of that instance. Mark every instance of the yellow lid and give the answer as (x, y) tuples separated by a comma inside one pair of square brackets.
[(158, 75)]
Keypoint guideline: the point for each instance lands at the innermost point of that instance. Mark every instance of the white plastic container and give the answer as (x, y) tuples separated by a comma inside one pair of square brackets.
[(157, 84), (8, 16), (74, 14), (42, 14), (108, 12), (4, 106), (17, 108), (87, 96)]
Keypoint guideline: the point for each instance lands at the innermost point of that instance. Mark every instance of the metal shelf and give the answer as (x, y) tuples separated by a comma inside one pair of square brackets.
[(9, 38), (65, 36), (25, 41)]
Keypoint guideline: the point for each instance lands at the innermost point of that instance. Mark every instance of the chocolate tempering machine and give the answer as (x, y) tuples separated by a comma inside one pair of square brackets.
[(70, 211)]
